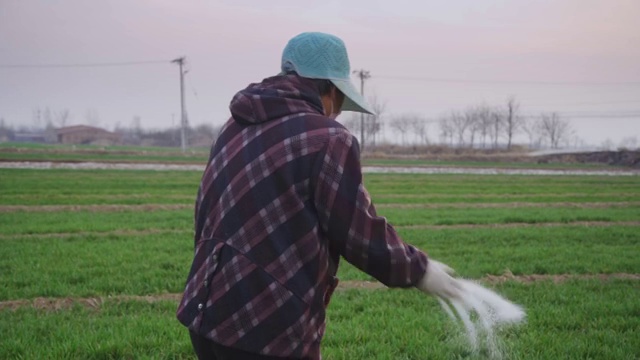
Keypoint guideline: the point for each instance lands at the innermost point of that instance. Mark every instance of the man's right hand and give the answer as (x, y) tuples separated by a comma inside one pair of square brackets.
[(437, 281)]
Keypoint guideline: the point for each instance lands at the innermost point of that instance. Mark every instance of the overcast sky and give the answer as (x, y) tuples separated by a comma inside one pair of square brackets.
[(578, 57)]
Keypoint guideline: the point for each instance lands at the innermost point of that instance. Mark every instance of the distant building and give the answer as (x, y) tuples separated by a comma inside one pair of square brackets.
[(83, 134), (30, 137)]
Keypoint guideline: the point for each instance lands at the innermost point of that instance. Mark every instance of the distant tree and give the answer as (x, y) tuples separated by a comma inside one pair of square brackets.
[(461, 124), (531, 127), (497, 121), (630, 143), (472, 120), (47, 116), (446, 130), (512, 120), (92, 117), (352, 123), (401, 124), (554, 128), (62, 117), (374, 123), (484, 122), (577, 142), (419, 125), (607, 144)]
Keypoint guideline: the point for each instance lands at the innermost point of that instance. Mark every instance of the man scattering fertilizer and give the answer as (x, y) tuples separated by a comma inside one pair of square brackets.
[(281, 200)]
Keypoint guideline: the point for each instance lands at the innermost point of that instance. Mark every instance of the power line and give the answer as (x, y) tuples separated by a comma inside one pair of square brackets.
[(603, 116), (509, 82), (82, 65), (585, 103)]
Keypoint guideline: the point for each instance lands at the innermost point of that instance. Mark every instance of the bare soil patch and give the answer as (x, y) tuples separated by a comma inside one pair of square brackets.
[(491, 196), (510, 205), (556, 278), (518, 224)]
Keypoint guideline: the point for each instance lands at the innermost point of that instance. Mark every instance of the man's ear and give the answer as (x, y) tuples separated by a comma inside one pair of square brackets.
[(338, 98)]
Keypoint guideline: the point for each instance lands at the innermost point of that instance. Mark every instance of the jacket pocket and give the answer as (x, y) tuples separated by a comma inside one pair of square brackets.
[(206, 261), (244, 297)]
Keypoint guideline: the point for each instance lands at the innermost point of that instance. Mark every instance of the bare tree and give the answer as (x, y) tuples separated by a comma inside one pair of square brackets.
[(47, 116), (554, 128), (533, 131), (607, 144), (484, 122), (401, 124), (446, 130), (92, 117), (472, 120), (512, 121), (629, 142), (352, 123), (461, 125), (419, 125), (61, 117), (374, 123), (497, 120)]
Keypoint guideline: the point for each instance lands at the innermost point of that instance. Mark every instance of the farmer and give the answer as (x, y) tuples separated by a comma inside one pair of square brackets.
[(281, 200)]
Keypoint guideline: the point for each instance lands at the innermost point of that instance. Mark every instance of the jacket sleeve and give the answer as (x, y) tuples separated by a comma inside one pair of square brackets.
[(348, 218)]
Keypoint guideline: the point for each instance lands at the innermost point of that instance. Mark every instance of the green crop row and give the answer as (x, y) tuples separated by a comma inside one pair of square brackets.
[(575, 320), (109, 264), (43, 222), (63, 182)]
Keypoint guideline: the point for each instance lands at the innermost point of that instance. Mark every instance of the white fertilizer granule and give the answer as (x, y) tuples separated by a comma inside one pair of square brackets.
[(482, 312)]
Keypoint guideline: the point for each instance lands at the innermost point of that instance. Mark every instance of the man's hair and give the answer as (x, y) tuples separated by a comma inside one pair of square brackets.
[(324, 86)]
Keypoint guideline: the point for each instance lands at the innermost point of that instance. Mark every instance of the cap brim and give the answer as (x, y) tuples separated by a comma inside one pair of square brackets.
[(353, 101)]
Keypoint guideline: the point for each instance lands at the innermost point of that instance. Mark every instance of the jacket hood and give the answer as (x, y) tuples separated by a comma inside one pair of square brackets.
[(274, 98)]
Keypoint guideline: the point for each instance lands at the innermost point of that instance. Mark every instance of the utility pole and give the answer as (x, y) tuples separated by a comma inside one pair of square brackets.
[(183, 118), (363, 75)]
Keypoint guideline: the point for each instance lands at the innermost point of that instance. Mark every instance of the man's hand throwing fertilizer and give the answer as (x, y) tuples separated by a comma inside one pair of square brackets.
[(466, 297)]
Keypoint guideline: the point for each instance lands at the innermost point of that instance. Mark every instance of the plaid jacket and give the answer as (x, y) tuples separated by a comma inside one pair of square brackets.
[(280, 201)]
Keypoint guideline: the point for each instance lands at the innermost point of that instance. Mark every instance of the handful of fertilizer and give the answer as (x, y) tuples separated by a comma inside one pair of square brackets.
[(464, 298)]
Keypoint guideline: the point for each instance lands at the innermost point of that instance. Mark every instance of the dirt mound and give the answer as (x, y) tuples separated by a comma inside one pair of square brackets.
[(615, 158)]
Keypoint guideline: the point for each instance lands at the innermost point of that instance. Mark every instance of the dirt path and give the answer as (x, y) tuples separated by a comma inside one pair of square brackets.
[(53, 304)]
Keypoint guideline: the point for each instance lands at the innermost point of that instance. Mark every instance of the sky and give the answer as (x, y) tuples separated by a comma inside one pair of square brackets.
[(580, 58)]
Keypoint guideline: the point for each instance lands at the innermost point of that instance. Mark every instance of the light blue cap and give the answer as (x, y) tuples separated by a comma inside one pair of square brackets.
[(318, 55)]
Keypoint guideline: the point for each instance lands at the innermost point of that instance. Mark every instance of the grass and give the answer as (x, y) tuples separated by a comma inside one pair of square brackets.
[(578, 320), (95, 264), (78, 187), (13, 223), (43, 222), (128, 251)]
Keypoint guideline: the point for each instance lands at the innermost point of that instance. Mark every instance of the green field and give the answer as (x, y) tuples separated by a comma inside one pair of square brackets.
[(126, 154), (110, 250)]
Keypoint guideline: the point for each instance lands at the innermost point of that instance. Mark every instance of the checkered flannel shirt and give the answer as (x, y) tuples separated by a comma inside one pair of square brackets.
[(281, 200)]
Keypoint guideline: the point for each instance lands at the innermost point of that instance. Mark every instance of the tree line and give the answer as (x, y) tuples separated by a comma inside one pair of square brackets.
[(479, 126)]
